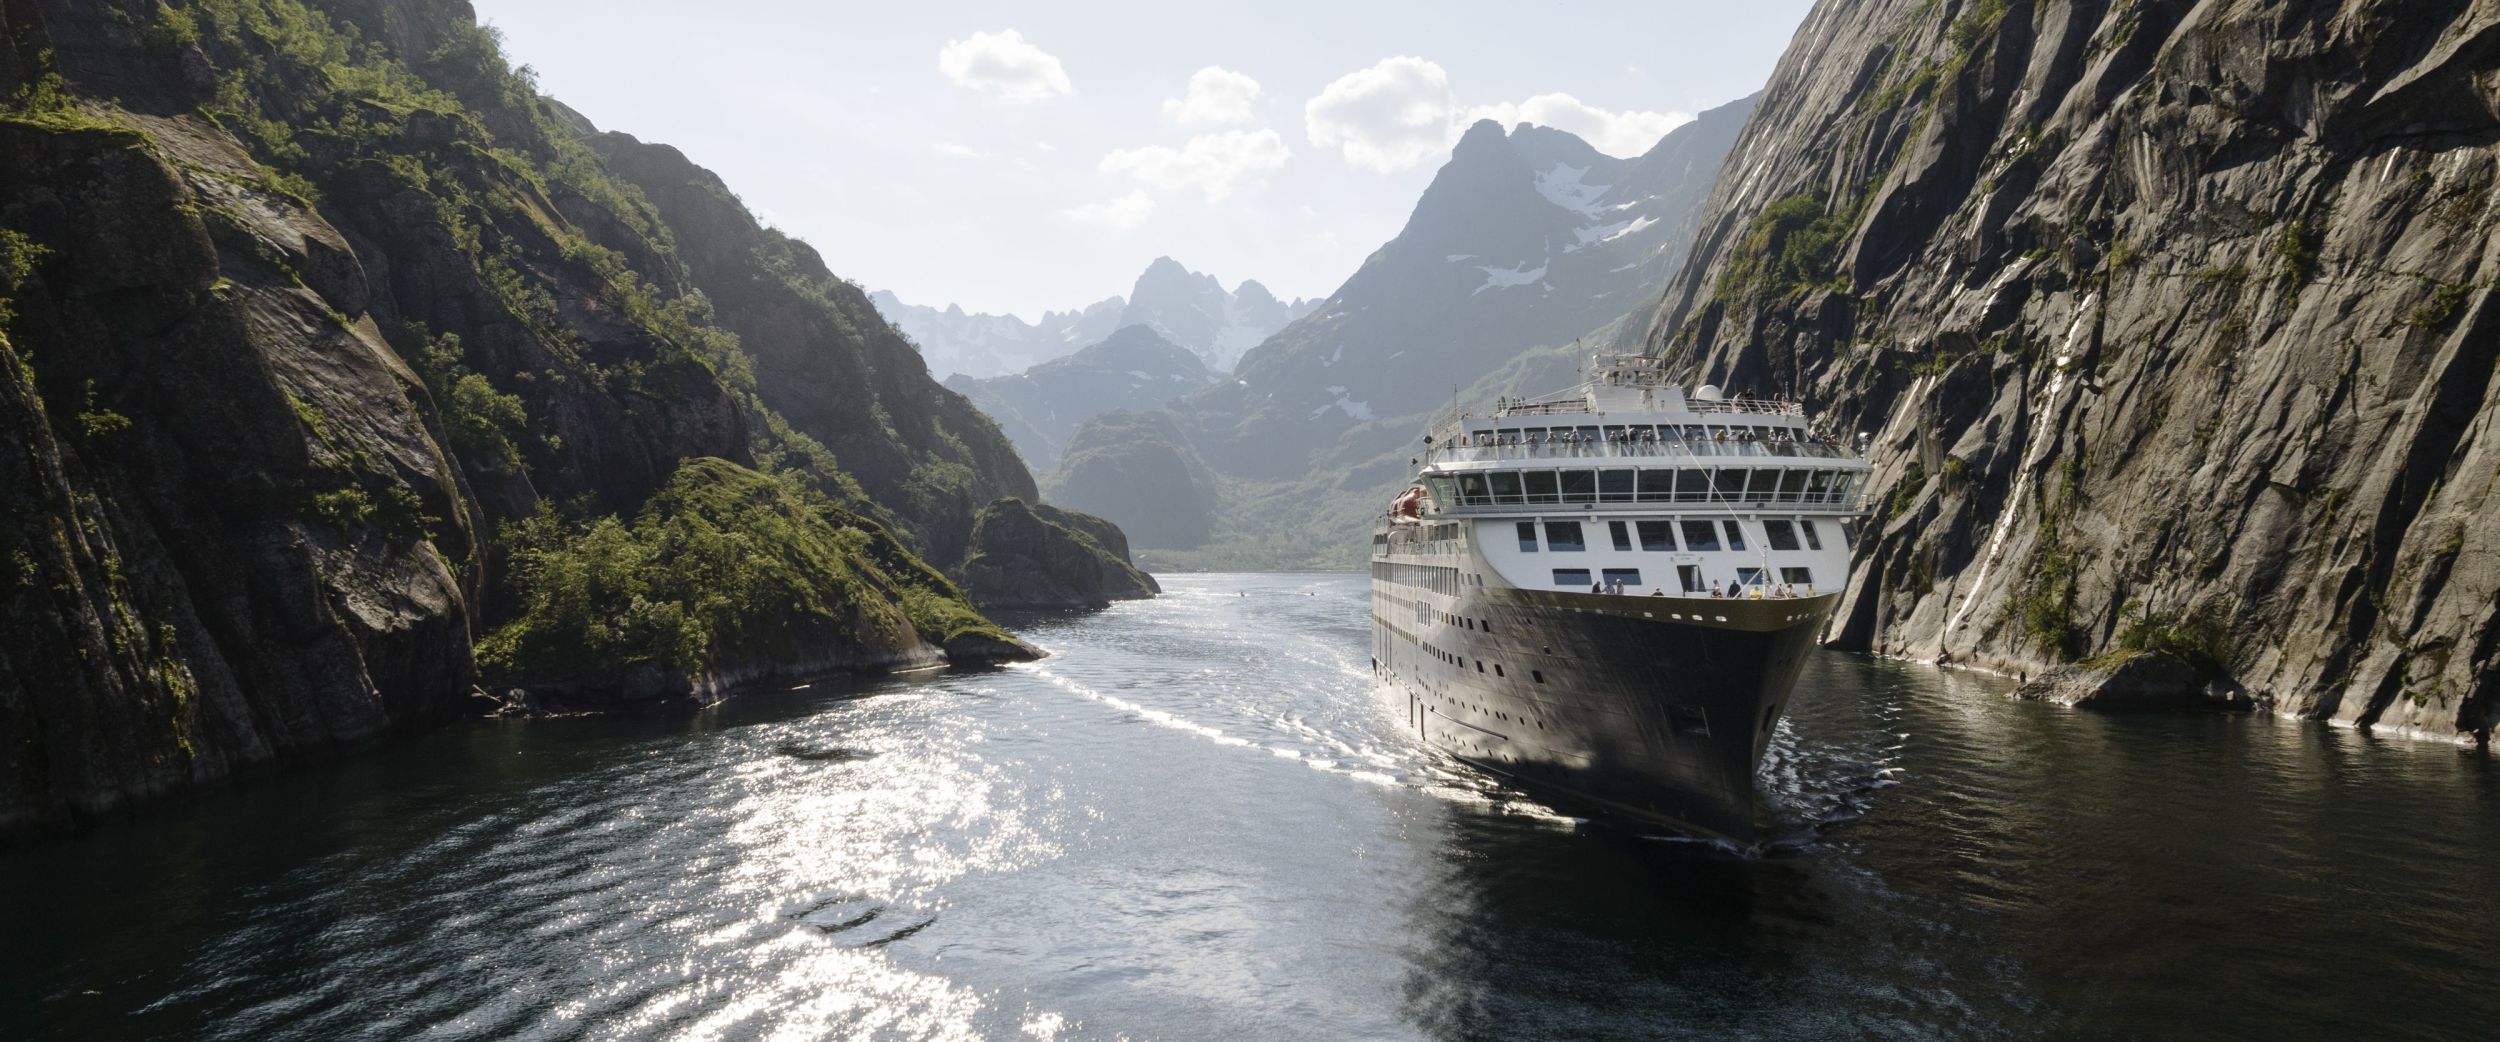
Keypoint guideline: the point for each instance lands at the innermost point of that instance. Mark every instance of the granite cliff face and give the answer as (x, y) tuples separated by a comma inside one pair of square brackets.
[(2171, 324), (301, 305)]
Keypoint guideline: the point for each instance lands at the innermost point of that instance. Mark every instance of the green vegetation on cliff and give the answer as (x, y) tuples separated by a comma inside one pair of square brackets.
[(725, 566)]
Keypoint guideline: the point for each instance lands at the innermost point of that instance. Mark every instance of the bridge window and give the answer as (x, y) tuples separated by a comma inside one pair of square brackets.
[(1471, 491), (1579, 486), (1766, 484), (1622, 532), (1793, 483), (1563, 537), (1527, 537), (1505, 486), (1700, 536), (1814, 539), (1626, 576), (1692, 486), (1657, 486), (1541, 487), (1735, 535), (1781, 534), (1614, 486), (1657, 535), (1729, 482), (1572, 577)]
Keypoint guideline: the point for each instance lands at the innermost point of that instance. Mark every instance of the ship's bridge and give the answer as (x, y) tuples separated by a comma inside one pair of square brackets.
[(1630, 435)]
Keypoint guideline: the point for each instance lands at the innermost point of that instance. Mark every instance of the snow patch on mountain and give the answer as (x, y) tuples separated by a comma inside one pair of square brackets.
[(1562, 185), (1504, 278)]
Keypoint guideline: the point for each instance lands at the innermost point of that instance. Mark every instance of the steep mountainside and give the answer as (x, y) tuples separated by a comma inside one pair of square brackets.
[(1138, 470), (1038, 408), (1522, 239), (2172, 324), (1198, 313), (982, 345), (341, 371)]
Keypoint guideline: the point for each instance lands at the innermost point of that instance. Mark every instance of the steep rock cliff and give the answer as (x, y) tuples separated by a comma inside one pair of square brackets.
[(2171, 324), (300, 303), (1039, 556)]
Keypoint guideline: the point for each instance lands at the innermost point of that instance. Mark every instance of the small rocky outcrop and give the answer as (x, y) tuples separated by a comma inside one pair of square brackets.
[(2136, 680), (1039, 556)]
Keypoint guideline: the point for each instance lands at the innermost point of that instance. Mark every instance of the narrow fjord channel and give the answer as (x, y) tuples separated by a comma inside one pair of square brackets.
[(1197, 821)]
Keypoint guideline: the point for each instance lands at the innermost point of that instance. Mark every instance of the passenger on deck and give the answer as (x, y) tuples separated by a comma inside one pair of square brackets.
[(1656, 592), (1715, 590), (1597, 587)]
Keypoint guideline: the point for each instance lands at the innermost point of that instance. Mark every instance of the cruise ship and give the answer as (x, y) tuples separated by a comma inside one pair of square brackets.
[(1604, 596)]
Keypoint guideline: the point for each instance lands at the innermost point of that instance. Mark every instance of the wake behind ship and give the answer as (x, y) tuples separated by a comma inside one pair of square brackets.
[(1605, 595)]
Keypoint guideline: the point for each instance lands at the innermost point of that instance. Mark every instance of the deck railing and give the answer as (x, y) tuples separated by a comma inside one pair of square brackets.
[(1595, 450)]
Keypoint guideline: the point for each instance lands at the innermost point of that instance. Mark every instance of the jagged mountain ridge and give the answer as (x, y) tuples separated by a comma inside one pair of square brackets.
[(983, 345), (1522, 239), (1196, 311), (2172, 324), (1133, 368), (1188, 308)]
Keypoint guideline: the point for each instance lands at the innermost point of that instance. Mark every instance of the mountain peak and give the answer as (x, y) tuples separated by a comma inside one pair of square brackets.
[(1484, 135)]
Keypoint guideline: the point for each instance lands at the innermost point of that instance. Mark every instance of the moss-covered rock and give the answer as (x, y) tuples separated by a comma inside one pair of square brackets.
[(1039, 556)]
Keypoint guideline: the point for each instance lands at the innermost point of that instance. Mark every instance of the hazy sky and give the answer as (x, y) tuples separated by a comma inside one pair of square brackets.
[(1025, 157)]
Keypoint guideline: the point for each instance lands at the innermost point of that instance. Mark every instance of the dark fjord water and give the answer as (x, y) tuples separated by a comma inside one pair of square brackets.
[(1198, 822)]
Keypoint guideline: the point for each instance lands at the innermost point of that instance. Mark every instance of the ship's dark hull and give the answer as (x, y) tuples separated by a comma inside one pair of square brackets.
[(1651, 708)]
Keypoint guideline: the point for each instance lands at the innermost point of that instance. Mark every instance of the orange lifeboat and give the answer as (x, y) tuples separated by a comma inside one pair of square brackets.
[(1408, 506)]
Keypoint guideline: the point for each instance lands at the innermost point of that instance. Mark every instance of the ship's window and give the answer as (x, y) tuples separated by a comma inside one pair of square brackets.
[(1748, 577), (1657, 535), (1797, 576), (1471, 491), (1563, 536), (1729, 482), (1735, 535), (1505, 486), (1626, 576), (1615, 486), (1781, 534), (1819, 488), (1571, 577), (1814, 539), (1792, 483), (1527, 537), (1700, 536), (1622, 533), (1766, 484), (1579, 486), (1541, 488), (1692, 485), (1657, 486), (1537, 675), (1591, 433)]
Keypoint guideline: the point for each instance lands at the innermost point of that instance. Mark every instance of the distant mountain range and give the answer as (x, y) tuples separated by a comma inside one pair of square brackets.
[(1185, 307), (1527, 251), (1135, 368), (1524, 238)]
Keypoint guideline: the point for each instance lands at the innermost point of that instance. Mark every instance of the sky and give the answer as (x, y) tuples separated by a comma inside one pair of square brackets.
[(1031, 157)]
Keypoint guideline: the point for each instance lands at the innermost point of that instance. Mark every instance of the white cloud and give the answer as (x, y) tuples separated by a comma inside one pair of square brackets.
[(1217, 95), (956, 151), (1119, 214), (1386, 118), (1211, 163), (1002, 64), (1627, 133)]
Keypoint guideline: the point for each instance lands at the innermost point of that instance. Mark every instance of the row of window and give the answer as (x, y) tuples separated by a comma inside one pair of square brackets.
[(1699, 536), (1658, 485), (1688, 578), (1431, 577)]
